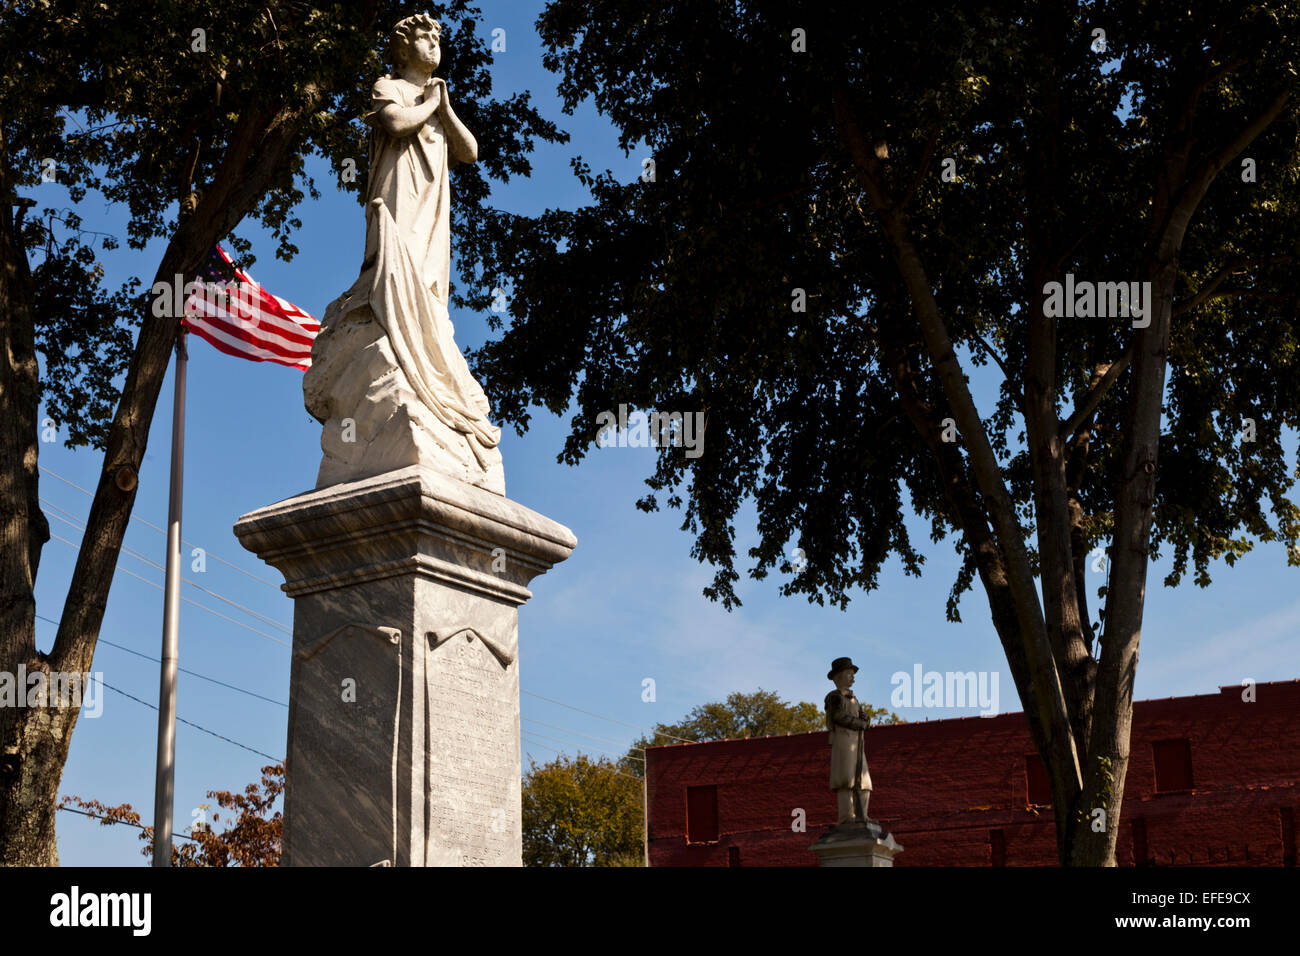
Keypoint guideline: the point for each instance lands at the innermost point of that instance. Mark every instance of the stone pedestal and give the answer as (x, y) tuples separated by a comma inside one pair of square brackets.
[(403, 741), (857, 844)]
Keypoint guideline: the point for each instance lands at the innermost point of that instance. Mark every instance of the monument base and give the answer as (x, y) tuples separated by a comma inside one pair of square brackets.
[(856, 844), (403, 743), (374, 422)]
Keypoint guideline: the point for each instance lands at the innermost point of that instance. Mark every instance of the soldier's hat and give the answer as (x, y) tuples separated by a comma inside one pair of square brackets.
[(839, 664)]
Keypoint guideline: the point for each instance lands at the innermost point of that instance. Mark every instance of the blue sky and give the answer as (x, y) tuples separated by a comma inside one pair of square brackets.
[(625, 607)]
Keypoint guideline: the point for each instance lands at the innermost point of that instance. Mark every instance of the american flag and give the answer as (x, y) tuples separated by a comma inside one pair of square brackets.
[(241, 318)]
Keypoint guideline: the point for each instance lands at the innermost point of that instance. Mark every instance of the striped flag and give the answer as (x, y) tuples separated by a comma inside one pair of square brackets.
[(241, 318)]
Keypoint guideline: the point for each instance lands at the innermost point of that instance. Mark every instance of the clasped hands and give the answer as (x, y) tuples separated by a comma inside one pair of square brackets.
[(436, 87)]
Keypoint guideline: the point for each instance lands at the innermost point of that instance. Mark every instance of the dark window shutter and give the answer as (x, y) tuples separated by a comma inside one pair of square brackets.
[(1173, 761), (702, 814), (1038, 787), (998, 847), (1141, 855), (1286, 817)]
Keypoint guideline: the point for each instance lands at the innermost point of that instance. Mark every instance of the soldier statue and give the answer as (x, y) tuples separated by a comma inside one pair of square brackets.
[(847, 721)]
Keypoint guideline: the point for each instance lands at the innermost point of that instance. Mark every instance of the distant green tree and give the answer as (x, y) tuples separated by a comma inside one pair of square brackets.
[(581, 812), (760, 714)]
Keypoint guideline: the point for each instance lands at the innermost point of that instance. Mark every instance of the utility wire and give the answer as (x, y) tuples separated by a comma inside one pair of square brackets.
[(569, 743), (95, 816), (657, 733), (135, 517), (610, 769), (183, 670), (550, 700), (154, 584), (192, 724), (282, 704), (154, 564), (575, 733)]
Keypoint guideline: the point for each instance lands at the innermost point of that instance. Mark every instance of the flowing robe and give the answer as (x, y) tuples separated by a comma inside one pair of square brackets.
[(407, 268)]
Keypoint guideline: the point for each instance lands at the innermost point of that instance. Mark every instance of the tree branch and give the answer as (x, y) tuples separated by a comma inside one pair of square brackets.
[(1094, 396), (1236, 267), (259, 147), (1031, 626), (926, 156), (992, 354), (1191, 194)]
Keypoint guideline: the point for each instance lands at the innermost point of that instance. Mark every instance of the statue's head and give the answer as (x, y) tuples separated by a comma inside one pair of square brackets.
[(415, 39), (842, 672)]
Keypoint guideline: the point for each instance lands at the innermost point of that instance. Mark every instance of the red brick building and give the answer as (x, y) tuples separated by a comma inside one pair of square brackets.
[(1212, 780)]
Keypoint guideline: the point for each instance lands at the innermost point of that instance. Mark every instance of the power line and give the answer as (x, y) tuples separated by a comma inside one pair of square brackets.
[(250, 693), (192, 724), (569, 743), (203, 608), (154, 564), (282, 704), (658, 733), (183, 670), (248, 611), (134, 517), (588, 736), (561, 752), (150, 524), (128, 823)]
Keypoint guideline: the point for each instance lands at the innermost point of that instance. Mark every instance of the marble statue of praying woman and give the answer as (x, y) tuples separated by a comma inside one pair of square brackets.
[(387, 379)]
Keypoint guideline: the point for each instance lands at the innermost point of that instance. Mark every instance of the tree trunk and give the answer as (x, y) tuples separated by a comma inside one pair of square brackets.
[(36, 746), (36, 740), (26, 817), (1046, 707)]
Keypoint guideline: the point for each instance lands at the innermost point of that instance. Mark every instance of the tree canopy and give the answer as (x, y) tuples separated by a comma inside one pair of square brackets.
[(202, 122), (677, 293), (851, 207), (157, 121)]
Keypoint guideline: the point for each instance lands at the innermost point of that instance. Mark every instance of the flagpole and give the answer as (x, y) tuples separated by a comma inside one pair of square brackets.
[(165, 780)]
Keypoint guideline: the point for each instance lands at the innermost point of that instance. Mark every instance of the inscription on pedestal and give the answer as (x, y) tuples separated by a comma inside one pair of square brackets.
[(473, 817)]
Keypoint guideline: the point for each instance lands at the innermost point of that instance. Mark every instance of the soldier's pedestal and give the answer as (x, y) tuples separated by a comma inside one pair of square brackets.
[(403, 740), (857, 844)]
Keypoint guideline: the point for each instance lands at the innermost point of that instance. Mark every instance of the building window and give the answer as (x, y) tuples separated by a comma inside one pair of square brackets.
[(1038, 788), (1173, 761), (733, 856), (1141, 854), (1286, 816), (998, 847), (702, 814)]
